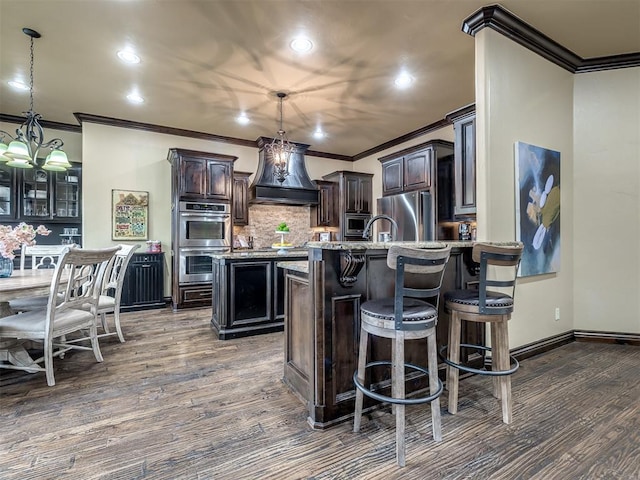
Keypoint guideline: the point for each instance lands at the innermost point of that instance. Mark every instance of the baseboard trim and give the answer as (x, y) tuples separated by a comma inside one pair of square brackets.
[(542, 345), (607, 337)]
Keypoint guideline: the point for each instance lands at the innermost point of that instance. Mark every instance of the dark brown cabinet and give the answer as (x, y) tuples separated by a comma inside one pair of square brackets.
[(201, 175), (393, 176), (325, 213), (357, 193), (417, 170), (240, 205), (143, 286), (413, 168), (205, 178), (464, 125), (353, 193)]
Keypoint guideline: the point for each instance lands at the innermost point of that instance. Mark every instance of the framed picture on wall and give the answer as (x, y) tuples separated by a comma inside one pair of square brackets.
[(129, 215), (537, 172)]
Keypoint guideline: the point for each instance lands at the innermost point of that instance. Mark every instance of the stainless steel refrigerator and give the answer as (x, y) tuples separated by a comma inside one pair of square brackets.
[(414, 213)]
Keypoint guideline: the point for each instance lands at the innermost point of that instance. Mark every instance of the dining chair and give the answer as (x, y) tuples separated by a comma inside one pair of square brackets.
[(109, 300), (78, 279), (42, 256)]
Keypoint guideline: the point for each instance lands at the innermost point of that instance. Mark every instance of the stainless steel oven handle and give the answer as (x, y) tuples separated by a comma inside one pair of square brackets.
[(204, 250), (205, 215)]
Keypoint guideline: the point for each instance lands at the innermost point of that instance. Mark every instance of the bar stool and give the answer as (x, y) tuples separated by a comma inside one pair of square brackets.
[(483, 305), (404, 317)]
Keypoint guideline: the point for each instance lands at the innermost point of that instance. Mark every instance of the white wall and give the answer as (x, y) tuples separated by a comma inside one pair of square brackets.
[(607, 201), (125, 159), (522, 97)]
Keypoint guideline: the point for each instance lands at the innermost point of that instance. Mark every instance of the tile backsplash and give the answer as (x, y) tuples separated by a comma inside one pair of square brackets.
[(264, 218)]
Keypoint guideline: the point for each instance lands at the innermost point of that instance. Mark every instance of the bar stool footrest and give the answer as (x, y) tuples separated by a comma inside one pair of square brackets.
[(401, 401), (465, 368)]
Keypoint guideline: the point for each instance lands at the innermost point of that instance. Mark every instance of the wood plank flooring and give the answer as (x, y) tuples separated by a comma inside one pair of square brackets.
[(173, 402)]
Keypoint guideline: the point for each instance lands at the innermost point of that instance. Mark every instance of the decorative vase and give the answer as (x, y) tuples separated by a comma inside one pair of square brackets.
[(6, 267)]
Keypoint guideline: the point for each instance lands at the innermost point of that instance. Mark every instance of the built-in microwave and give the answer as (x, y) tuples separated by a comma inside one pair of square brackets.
[(204, 225), (354, 224)]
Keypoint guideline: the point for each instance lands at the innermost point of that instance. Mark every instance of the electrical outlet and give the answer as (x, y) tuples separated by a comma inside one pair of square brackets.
[(557, 313)]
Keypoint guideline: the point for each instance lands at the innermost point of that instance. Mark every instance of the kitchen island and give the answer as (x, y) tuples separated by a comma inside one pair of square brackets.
[(322, 322), (248, 292)]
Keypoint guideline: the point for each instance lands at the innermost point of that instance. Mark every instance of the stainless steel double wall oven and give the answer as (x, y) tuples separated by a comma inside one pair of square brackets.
[(204, 229)]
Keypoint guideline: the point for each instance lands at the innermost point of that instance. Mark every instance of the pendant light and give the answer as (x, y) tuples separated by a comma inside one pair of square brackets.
[(23, 149)]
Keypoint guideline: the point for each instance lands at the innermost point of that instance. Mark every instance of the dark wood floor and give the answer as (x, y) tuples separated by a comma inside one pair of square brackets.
[(175, 403)]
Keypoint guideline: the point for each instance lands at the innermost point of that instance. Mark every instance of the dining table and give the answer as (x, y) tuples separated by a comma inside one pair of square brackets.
[(21, 283)]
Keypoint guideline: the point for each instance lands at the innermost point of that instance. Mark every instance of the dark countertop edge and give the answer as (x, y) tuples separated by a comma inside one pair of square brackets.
[(297, 266), (386, 245)]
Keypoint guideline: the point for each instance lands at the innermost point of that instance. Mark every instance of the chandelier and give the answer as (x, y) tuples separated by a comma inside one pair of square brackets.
[(23, 150), (280, 149)]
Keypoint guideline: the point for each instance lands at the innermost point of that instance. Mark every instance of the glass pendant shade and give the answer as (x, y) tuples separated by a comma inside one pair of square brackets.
[(19, 155), (56, 161), (18, 150), (3, 149)]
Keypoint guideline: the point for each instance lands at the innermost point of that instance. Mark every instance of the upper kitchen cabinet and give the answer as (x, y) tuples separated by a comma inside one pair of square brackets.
[(240, 207), (202, 175), (325, 213), (355, 191), (7, 193), (412, 168), (66, 193), (464, 125), (46, 195)]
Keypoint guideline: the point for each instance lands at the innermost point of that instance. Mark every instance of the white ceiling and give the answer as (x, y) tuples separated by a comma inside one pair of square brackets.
[(205, 61)]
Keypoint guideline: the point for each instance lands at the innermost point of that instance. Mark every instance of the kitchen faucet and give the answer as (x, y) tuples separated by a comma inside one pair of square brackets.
[(367, 228)]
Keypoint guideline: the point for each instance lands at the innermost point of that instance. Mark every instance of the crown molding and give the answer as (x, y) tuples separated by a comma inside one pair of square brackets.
[(44, 123), (511, 26), (404, 138)]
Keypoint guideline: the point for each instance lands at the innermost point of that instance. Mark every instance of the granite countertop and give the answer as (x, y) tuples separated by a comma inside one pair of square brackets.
[(302, 267), (385, 245), (272, 253)]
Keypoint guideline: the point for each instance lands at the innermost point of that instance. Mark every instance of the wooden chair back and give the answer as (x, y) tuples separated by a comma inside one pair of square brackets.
[(42, 256)]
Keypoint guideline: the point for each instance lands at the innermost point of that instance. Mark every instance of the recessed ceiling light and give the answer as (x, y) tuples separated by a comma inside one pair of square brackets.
[(17, 84), (318, 133), (128, 56), (403, 80), (301, 44), (242, 119), (135, 98)]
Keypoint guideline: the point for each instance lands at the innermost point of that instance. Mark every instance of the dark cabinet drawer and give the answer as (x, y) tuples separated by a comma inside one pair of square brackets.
[(194, 296)]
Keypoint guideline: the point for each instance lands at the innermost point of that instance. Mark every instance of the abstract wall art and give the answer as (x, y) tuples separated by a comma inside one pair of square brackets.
[(537, 171)]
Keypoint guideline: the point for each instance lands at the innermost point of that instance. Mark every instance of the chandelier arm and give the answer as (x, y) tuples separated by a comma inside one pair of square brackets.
[(31, 133)]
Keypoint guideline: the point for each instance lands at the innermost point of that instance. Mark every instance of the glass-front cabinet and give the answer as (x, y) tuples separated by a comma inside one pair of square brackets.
[(7, 189), (50, 195), (38, 195), (66, 186), (36, 189)]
